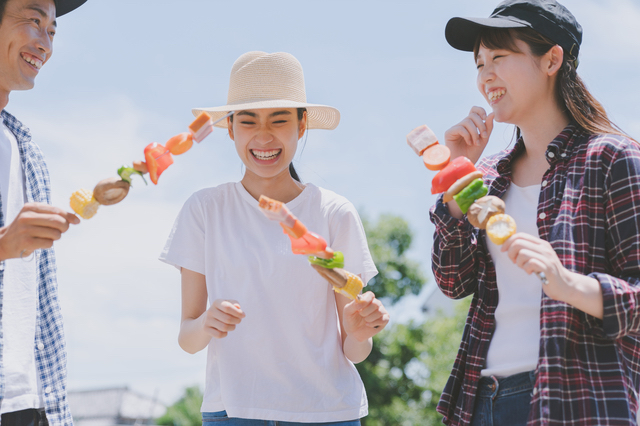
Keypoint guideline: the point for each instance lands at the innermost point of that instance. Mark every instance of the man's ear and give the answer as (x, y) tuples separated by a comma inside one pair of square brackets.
[(230, 128), (555, 58)]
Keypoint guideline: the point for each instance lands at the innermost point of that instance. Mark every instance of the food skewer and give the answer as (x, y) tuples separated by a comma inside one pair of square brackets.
[(461, 182), (322, 258), (157, 159)]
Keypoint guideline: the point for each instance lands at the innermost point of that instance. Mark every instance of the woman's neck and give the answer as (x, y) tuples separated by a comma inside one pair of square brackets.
[(282, 187), (541, 127), (538, 131)]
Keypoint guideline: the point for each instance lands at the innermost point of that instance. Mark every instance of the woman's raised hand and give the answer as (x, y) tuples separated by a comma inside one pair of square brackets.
[(222, 317), (365, 317), (469, 137)]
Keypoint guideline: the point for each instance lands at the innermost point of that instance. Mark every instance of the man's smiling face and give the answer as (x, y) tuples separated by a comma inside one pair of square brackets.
[(26, 42)]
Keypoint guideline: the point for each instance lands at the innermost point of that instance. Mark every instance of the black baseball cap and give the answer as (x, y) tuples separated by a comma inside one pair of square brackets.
[(548, 17), (65, 6)]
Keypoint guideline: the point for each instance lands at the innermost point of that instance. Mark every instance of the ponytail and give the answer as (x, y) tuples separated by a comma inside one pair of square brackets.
[(293, 172), (580, 104)]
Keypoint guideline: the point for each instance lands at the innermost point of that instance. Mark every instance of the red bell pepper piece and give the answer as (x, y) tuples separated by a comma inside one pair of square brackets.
[(310, 244), (158, 158), (446, 177)]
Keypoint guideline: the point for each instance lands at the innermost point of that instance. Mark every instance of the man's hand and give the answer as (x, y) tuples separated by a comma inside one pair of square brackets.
[(37, 226)]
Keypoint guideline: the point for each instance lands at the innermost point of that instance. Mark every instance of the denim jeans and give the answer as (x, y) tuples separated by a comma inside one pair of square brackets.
[(503, 401), (30, 417), (220, 418)]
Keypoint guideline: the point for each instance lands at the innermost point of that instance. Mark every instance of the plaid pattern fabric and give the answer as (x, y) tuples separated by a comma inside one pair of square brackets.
[(589, 210), (51, 357)]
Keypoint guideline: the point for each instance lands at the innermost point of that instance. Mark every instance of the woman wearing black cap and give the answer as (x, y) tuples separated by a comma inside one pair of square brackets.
[(563, 350)]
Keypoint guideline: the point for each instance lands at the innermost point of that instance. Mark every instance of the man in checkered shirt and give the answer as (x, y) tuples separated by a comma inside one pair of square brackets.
[(32, 347)]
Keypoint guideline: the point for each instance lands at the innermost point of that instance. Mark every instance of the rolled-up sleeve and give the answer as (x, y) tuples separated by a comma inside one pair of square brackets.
[(454, 262), (621, 288)]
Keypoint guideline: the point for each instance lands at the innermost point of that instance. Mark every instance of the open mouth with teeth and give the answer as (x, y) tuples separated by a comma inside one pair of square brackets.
[(495, 95), (266, 155), (32, 60)]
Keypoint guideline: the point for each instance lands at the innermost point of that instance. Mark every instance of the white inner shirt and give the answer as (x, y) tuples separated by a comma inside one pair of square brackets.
[(515, 345), (20, 298)]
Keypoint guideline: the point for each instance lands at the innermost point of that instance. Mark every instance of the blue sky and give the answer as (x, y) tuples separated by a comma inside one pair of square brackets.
[(126, 73)]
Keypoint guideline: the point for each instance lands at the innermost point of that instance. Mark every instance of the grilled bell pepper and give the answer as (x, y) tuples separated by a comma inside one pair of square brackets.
[(158, 158), (473, 191), (311, 244), (125, 174), (457, 168), (337, 261)]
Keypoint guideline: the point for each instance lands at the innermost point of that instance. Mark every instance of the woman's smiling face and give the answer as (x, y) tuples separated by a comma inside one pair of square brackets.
[(513, 83), (266, 139)]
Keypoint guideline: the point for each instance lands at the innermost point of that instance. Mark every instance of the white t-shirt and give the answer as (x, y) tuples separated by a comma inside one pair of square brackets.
[(284, 361), (515, 345), (20, 294)]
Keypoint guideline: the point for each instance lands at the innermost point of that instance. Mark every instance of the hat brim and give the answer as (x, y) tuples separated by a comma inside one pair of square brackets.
[(65, 6), (461, 33), (318, 116)]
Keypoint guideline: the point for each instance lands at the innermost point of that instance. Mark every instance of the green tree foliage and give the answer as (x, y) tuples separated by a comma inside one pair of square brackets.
[(410, 363), (186, 411), (389, 239), (405, 383)]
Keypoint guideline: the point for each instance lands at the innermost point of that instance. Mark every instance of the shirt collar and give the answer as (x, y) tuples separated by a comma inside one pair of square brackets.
[(559, 149)]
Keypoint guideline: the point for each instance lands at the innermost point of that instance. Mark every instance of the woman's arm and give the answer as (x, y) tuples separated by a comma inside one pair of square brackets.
[(454, 254), (199, 324), (613, 296), (359, 321), (455, 242), (533, 254)]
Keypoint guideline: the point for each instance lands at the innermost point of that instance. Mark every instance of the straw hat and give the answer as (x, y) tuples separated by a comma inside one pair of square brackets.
[(271, 80)]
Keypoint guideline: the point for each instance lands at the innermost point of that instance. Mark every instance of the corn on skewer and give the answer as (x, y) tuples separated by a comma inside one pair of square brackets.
[(342, 281), (84, 204)]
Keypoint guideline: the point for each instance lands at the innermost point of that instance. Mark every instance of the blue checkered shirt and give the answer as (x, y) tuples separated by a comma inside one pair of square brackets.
[(51, 360)]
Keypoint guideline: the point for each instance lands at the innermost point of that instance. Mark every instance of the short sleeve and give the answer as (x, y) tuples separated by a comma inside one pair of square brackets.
[(348, 236), (185, 246)]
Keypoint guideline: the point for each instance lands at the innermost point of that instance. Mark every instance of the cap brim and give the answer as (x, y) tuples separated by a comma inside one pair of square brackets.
[(461, 33), (318, 116), (65, 6)]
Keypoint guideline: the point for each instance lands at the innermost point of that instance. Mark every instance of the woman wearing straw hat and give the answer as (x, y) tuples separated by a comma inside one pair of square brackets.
[(281, 344), (563, 350)]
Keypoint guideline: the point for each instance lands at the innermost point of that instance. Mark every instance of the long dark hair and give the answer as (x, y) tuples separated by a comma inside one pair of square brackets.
[(571, 93), (292, 169)]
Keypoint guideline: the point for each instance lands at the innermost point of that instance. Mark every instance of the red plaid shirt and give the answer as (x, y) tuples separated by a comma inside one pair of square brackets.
[(588, 369)]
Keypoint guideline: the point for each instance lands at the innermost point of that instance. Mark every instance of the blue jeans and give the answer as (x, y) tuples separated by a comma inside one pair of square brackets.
[(503, 401), (220, 418)]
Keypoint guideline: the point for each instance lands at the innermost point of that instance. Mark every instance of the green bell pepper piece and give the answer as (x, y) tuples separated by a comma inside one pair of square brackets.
[(476, 189), (337, 261), (125, 174)]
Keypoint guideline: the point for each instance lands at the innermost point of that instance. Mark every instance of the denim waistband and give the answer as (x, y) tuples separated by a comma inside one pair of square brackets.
[(494, 387)]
